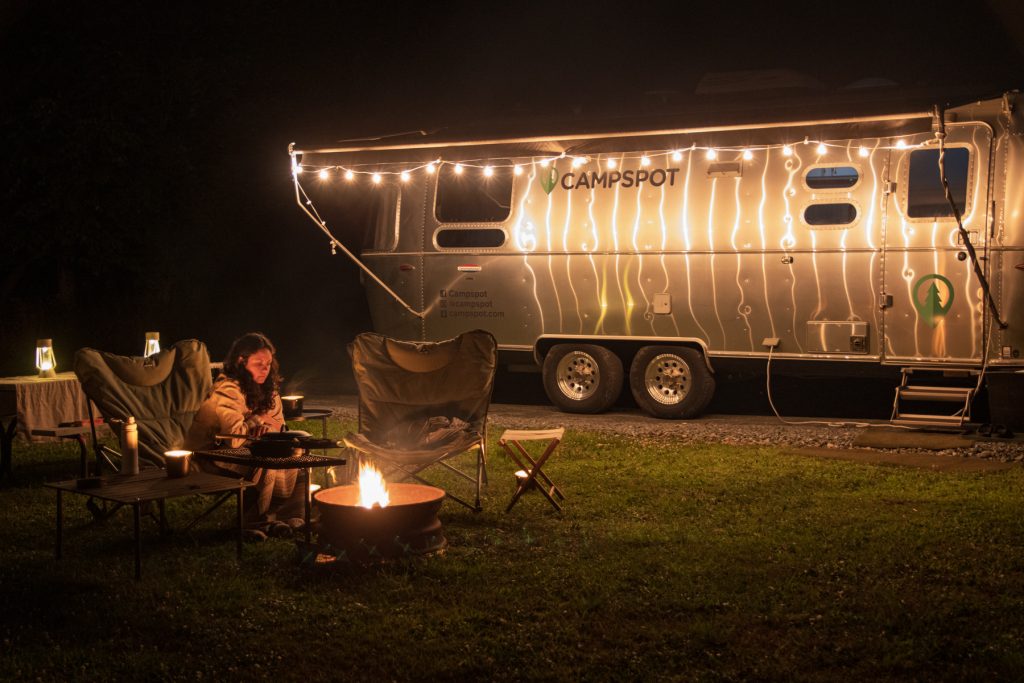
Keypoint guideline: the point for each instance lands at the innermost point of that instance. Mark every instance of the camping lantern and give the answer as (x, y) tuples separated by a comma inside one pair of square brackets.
[(152, 344), (45, 362)]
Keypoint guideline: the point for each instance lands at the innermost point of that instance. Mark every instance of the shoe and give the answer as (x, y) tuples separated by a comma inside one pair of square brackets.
[(279, 530), (297, 524), (253, 536)]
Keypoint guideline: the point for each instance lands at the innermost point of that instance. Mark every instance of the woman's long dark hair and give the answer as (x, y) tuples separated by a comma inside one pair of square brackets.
[(259, 398)]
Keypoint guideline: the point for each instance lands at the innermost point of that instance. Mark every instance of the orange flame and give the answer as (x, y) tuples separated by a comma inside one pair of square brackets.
[(372, 489)]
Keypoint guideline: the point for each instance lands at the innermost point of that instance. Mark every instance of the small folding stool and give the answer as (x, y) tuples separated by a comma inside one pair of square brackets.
[(532, 471)]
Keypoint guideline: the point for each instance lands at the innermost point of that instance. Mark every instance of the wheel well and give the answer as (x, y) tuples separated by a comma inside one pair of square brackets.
[(625, 349)]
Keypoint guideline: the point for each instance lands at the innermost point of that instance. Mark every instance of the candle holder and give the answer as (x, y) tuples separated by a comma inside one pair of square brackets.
[(292, 406), (178, 463)]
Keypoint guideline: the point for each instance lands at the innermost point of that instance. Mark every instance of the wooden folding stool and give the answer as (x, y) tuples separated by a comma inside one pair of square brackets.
[(514, 438)]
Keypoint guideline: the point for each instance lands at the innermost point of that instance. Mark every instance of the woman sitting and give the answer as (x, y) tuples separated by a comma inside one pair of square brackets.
[(245, 401)]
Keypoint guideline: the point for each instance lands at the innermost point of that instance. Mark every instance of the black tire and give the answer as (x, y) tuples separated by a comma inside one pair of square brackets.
[(582, 378), (671, 382)]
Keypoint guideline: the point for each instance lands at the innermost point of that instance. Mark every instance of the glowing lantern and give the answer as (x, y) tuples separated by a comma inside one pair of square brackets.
[(45, 362), (152, 344)]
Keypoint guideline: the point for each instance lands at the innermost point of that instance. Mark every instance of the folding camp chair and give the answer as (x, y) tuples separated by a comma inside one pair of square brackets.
[(424, 404), (162, 392)]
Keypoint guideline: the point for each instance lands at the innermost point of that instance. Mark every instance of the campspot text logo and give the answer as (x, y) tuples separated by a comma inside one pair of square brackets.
[(587, 180)]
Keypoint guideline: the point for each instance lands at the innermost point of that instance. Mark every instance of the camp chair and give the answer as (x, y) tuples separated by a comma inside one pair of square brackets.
[(424, 404), (162, 392)]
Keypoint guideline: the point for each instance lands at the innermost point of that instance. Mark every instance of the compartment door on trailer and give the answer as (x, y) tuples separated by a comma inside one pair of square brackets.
[(934, 306)]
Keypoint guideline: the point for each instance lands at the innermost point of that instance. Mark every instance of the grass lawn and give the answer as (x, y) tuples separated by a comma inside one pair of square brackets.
[(690, 563)]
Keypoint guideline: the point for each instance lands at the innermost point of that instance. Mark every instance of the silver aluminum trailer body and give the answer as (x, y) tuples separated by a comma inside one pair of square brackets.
[(814, 240)]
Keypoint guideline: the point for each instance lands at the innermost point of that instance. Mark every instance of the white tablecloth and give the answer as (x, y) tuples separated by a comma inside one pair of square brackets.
[(42, 403)]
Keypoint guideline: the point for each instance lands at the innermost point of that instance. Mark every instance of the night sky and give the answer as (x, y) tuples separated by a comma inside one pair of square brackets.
[(146, 182)]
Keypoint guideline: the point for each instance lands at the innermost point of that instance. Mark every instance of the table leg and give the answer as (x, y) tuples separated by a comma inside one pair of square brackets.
[(84, 452), (7, 445), (238, 509), (60, 524), (309, 505), (137, 512)]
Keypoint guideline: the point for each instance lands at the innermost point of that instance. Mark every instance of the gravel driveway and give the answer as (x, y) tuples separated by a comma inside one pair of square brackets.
[(738, 429)]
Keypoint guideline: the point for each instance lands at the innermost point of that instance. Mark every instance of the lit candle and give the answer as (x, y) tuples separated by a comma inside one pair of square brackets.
[(292, 405), (177, 462)]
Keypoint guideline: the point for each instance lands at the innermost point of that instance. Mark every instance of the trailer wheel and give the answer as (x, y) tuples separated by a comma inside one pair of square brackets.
[(671, 382), (582, 378)]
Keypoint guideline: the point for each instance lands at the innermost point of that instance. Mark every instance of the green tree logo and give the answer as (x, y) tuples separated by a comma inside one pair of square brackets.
[(934, 305), (548, 178)]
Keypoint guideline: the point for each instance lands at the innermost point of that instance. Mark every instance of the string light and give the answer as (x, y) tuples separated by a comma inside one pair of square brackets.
[(644, 159)]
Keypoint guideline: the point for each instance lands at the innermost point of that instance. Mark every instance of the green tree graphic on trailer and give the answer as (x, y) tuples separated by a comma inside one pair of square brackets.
[(931, 306)]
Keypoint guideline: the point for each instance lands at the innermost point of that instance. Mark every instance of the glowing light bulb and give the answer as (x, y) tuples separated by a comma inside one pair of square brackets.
[(431, 167), (645, 160), (747, 155), (863, 151), (517, 169), (297, 169), (324, 174), (376, 178), (349, 175), (787, 151), (488, 171), (404, 176), (544, 163), (458, 169), (901, 144), (577, 162), (711, 154), (822, 149), (611, 163), (677, 155)]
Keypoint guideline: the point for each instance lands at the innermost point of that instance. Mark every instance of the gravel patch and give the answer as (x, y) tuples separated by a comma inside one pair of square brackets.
[(746, 430)]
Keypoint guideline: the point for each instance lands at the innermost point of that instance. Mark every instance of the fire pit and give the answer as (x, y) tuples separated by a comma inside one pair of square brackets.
[(374, 521)]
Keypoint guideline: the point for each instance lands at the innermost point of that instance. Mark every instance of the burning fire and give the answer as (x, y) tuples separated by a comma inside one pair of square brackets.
[(372, 489)]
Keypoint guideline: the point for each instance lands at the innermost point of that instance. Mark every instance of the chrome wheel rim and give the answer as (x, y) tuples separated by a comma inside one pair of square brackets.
[(578, 375), (667, 379)]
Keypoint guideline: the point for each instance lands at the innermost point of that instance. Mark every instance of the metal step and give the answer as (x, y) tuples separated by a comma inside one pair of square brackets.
[(935, 421), (930, 393)]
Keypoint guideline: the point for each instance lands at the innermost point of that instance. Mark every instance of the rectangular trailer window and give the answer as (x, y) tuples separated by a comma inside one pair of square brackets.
[(381, 232), (925, 195), (474, 194)]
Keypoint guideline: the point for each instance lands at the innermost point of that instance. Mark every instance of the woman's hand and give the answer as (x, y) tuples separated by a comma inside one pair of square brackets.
[(258, 430)]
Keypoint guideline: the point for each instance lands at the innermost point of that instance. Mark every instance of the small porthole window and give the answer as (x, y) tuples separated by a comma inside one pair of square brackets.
[(832, 177), (830, 214), (926, 198), (470, 238)]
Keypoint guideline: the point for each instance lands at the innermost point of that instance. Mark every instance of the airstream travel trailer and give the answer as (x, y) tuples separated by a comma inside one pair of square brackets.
[(646, 256)]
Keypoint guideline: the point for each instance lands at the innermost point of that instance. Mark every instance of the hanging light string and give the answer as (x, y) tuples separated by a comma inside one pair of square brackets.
[(487, 167)]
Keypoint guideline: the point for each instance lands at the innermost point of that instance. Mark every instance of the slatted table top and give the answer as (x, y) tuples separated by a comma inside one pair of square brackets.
[(242, 456), (151, 484)]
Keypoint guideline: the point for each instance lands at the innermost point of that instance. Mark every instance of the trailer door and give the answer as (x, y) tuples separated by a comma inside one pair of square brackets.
[(934, 304)]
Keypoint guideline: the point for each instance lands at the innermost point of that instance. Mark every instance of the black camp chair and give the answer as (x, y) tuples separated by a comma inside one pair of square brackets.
[(424, 404), (162, 392)]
